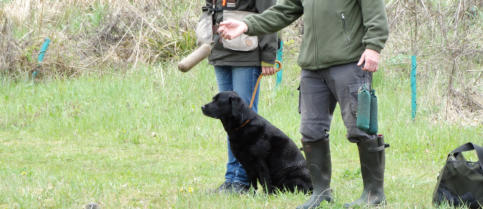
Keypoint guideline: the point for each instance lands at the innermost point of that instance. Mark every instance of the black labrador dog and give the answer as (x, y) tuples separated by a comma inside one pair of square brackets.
[(265, 152)]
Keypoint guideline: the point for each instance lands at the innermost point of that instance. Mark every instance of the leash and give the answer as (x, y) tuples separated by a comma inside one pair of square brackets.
[(258, 82), (278, 68)]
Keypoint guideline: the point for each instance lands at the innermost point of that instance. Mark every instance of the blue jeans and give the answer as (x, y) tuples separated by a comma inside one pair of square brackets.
[(242, 80)]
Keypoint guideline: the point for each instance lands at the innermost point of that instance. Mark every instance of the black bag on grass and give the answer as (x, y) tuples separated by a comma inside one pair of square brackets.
[(460, 182)]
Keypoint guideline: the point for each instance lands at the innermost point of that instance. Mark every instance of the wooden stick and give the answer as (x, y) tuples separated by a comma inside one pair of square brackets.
[(194, 58)]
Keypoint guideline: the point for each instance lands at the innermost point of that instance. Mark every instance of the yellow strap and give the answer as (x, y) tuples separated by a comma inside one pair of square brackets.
[(258, 82)]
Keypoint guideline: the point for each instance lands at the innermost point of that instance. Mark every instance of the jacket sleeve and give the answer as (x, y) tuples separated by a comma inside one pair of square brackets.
[(375, 22), (268, 43), (275, 18)]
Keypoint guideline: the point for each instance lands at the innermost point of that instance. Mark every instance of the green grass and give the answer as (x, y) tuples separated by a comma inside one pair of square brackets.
[(138, 139)]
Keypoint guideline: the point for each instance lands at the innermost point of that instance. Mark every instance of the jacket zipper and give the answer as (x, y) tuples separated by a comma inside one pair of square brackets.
[(342, 16), (315, 34)]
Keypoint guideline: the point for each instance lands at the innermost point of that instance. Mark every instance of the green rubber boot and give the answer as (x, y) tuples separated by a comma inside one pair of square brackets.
[(318, 162), (372, 158)]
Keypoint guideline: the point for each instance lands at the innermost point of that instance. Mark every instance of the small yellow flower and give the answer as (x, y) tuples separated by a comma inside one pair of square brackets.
[(23, 173), (190, 189)]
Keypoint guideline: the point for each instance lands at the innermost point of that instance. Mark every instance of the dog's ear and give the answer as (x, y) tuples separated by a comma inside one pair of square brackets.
[(236, 104)]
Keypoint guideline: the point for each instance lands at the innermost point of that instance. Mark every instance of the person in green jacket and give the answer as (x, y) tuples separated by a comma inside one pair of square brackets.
[(340, 50)]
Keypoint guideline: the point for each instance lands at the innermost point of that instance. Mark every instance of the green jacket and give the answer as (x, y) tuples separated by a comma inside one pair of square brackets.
[(335, 31), (267, 44)]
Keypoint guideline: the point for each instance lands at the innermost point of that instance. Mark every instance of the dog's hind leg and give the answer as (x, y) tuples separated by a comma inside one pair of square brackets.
[(264, 176), (297, 184), (252, 178)]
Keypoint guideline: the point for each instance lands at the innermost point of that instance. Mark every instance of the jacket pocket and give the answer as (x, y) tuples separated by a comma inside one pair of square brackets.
[(345, 25)]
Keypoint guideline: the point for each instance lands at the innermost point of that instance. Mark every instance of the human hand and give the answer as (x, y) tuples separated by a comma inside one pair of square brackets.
[(268, 70), (370, 59), (231, 29)]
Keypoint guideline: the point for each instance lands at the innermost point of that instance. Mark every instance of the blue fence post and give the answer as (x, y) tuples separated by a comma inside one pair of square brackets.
[(280, 59), (413, 87), (44, 48)]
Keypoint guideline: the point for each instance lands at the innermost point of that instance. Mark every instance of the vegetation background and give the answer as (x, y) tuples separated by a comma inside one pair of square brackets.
[(110, 120)]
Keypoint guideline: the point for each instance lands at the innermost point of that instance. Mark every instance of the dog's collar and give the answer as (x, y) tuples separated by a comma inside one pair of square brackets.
[(242, 125)]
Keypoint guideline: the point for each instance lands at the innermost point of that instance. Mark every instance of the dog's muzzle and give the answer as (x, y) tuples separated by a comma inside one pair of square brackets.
[(204, 108), (205, 111)]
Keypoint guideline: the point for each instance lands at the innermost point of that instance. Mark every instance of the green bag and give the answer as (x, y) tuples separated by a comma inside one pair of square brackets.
[(373, 119), (460, 183), (367, 110), (363, 109)]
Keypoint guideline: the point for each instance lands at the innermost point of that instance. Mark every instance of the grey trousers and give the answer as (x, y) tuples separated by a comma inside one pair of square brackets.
[(321, 90)]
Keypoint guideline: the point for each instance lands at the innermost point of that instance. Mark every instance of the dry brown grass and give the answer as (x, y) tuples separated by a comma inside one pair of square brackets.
[(446, 37), (94, 34)]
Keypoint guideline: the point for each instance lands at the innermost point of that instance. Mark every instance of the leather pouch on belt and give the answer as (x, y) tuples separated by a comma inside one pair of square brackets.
[(204, 30), (242, 42)]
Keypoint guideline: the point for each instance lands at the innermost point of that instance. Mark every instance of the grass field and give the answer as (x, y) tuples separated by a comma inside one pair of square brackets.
[(138, 139)]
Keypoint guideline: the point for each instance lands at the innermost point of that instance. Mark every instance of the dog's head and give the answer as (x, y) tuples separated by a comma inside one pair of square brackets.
[(225, 104)]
